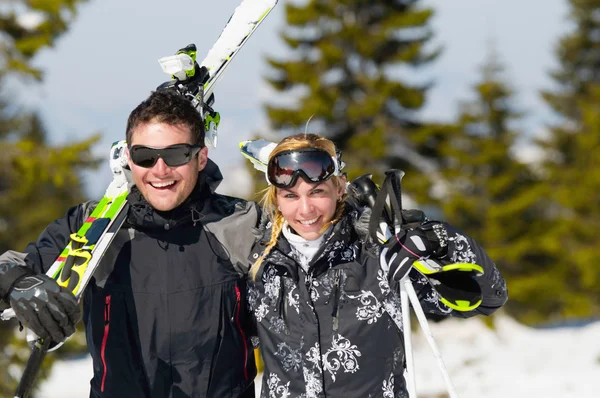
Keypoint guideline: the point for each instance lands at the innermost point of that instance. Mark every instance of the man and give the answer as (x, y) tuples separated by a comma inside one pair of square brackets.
[(164, 313)]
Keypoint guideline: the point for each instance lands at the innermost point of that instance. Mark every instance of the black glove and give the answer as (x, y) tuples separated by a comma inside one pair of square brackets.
[(428, 240), (49, 310)]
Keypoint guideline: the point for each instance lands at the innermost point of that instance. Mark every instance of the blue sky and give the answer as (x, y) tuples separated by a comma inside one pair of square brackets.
[(107, 63)]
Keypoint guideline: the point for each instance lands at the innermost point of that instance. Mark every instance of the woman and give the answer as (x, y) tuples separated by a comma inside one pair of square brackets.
[(327, 312)]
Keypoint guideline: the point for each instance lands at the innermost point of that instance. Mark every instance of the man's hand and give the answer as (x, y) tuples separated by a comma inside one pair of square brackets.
[(43, 306)]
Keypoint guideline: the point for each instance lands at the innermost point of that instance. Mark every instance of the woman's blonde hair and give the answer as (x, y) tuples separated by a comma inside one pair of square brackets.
[(269, 199)]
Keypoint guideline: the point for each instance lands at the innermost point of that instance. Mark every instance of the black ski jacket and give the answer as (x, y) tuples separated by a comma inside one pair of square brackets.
[(336, 330), (164, 313)]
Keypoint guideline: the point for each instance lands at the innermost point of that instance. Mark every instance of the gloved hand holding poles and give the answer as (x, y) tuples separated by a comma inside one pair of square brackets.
[(423, 242), (40, 304)]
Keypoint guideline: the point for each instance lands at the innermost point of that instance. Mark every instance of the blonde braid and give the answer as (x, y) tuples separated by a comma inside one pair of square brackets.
[(339, 212), (278, 222), (341, 205)]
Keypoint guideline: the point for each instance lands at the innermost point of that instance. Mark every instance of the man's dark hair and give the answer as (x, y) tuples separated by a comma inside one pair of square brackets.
[(167, 106)]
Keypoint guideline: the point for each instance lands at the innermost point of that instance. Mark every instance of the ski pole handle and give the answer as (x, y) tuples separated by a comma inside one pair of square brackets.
[(365, 191), (394, 176), (388, 205)]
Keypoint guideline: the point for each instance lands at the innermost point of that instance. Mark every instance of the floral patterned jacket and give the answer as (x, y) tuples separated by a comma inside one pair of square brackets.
[(336, 331)]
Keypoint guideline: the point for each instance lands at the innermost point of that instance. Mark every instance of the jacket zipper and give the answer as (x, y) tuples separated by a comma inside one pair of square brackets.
[(104, 340), (281, 299), (238, 296), (336, 300)]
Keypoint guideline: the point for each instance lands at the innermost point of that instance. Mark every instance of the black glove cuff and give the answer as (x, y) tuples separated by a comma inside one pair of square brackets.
[(11, 274)]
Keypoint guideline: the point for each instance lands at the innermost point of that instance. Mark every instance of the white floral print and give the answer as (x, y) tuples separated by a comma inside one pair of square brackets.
[(348, 254), (276, 388), (433, 298), (320, 287), (252, 297), (370, 310), (262, 310), (462, 250), (314, 356), (293, 298), (313, 384), (388, 387), (391, 301), (277, 324), (393, 306), (342, 355), (291, 359), (441, 233), (272, 283)]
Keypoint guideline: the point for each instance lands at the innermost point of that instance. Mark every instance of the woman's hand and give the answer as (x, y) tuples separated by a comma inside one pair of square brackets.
[(428, 240)]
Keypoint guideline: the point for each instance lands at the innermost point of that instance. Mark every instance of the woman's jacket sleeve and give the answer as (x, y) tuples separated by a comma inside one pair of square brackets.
[(461, 248)]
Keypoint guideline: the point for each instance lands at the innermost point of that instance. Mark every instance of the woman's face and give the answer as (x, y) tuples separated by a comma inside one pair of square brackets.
[(307, 207)]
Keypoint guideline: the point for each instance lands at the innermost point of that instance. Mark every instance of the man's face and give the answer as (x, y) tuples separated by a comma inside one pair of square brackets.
[(165, 187)]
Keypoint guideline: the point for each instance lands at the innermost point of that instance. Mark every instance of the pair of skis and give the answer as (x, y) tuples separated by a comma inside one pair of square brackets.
[(75, 266)]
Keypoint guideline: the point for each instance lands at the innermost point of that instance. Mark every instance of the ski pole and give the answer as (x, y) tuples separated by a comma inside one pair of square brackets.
[(394, 177), (411, 384), (32, 367), (414, 300), (392, 184)]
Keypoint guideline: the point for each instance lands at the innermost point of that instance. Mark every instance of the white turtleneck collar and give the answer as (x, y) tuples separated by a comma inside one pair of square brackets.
[(306, 249)]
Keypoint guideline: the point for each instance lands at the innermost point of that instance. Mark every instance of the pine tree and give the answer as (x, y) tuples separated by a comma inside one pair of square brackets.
[(41, 181), (572, 168), (490, 193), (347, 55), (38, 182), (29, 26)]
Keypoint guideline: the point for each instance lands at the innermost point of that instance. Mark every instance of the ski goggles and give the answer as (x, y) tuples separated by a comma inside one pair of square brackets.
[(173, 156), (314, 165)]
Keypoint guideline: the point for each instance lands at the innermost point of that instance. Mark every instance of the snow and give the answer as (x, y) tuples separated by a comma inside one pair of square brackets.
[(68, 379), (511, 361)]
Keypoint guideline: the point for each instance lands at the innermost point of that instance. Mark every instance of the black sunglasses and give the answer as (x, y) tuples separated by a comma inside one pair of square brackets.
[(314, 165), (173, 156)]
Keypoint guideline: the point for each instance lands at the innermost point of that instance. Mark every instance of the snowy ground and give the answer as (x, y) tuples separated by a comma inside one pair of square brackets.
[(512, 361)]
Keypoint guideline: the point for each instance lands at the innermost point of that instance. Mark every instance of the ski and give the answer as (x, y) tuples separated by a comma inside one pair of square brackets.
[(197, 81), (75, 266), (242, 24)]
